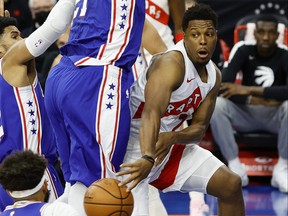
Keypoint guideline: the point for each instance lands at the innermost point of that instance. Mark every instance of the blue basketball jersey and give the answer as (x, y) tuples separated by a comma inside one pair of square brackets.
[(24, 208), (23, 121), (24, 125), (114, 26)]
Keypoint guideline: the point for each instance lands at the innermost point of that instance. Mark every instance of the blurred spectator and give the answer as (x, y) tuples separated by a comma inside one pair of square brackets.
[(230, 11), (20, 10), (260, 103)]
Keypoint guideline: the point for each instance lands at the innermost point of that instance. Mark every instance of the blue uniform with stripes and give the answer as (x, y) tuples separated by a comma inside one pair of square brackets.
[(31, 209), (87, 93), (25, 125)]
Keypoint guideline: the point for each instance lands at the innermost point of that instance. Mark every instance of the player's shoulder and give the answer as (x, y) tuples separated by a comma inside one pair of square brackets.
[(59, 208)]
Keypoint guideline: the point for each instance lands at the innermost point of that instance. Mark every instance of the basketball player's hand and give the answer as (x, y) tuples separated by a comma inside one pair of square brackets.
[(229, 89), (163, 146), (2, 11), (137, 171)]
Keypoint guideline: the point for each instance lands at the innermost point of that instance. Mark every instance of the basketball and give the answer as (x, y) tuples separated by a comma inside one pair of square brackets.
[(105, 198)]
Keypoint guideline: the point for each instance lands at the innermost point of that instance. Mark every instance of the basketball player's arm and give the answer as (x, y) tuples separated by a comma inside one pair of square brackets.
[(16, 58), (3, 12), (195, 132), (165, 75), (151, 39), (177, 8)]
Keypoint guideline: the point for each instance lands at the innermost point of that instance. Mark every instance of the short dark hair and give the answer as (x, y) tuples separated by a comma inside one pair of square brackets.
[(199, 12), (22, 170), (5, 22), (267, 18)]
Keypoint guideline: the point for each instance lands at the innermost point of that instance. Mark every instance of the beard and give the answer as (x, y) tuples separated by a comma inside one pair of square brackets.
[(47, 196)]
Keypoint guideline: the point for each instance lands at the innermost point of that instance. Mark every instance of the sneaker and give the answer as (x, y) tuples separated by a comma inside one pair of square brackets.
[(198, 208), (279, 202), (237, 167), (280, 178)]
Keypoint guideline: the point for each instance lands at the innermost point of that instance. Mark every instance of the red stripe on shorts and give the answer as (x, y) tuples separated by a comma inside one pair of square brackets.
[(169, 173)]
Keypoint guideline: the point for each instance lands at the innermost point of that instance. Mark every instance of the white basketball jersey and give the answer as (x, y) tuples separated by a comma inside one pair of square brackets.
[(183, 102)]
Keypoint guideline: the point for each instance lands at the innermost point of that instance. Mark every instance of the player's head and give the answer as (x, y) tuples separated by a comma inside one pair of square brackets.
[(266, 34), (9, 34), (22, 175), (200, 35)]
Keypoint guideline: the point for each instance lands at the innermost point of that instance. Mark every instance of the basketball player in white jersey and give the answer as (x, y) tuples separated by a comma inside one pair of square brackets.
[(157, 12), (179, 85)]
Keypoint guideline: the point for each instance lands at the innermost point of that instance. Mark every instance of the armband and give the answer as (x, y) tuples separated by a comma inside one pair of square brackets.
[(56, 24), (178, 37)]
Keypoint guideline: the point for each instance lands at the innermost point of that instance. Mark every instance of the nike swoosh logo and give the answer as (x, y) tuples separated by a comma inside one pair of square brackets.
[(189, 80)]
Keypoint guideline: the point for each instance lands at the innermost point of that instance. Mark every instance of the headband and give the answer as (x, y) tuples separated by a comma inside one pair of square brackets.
[(29, 192)]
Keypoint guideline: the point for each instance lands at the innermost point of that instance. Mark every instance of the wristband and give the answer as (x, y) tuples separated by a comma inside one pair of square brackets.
[(148, 158)]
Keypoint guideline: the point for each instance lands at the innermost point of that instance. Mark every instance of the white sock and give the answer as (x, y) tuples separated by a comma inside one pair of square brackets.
[(234, 161), (76, 197), (196, 196), (64, 197), (282, 162)]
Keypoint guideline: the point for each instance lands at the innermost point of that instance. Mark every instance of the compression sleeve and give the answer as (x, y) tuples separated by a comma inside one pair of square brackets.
[(56, 24)]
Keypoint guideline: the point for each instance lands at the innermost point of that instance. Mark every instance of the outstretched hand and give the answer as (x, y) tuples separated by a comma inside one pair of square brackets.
[(3, 12), (137, 171)]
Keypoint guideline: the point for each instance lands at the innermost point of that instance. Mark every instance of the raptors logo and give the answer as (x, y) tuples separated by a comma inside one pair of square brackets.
[(264, 76)]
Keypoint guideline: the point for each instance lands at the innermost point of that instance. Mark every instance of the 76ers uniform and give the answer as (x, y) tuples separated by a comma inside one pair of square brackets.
[(87, 93), (25, 208), (183, 161), (25, 125), (34, 208)]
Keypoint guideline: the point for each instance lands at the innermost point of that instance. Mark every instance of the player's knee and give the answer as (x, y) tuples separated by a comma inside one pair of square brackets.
[(233, 187)]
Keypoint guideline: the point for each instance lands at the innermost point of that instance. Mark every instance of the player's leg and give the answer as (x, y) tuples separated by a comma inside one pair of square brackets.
[(141, 200), (232, 117), (278, 123), (198, 207), (76, 197), (156, 206), (197, 200), (216, 179), (57, 123), (226, 185), (193, 168)]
